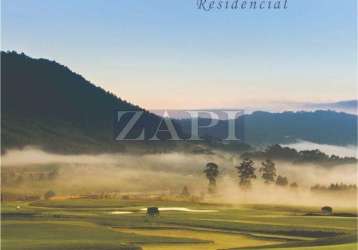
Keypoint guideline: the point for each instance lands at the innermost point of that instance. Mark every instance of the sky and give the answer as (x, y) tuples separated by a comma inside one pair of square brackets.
[(169, 54)]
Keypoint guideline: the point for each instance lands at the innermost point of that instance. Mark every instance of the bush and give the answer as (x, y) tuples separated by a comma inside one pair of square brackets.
[(281, 181), (49, 194)]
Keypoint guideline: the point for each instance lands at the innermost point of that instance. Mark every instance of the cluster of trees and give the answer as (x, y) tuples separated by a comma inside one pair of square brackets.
[(12, 177), (246, 172), (335, 187), (277, 152), (8, 196)]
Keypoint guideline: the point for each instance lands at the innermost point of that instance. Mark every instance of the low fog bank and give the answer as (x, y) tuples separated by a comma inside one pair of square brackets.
[(170, 172), (348, 151), (261, 193)]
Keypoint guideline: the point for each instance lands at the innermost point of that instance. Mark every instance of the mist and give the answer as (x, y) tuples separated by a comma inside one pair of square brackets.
[(342, 151), (168, 173)]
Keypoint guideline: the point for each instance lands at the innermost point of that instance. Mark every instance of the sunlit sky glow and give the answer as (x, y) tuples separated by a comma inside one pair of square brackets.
[(168, 54)]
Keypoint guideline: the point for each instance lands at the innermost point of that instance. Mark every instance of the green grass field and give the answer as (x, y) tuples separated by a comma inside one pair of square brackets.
[(90, 224)]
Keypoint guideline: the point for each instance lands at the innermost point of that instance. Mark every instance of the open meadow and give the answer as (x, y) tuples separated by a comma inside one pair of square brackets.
[(123, 224)]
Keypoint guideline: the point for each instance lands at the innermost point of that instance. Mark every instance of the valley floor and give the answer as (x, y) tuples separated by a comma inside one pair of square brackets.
[(114, 224)]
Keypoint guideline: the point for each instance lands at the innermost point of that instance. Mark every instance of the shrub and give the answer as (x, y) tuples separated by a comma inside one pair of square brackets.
[(49, 194)]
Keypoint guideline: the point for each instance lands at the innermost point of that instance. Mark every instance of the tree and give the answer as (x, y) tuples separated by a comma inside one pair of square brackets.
[(41, 176), (19, 179), (49, 194), (212, 171), (185, 192), (53, 174), (281, 181), (268, 171), (294, 185), (246, 172)]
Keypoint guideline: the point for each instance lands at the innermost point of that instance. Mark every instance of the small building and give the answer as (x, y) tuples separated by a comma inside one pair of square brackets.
[(152, 211), (326, 210)]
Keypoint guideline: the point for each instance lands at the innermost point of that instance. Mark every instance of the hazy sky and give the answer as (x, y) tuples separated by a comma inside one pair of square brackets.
[(169, 54)]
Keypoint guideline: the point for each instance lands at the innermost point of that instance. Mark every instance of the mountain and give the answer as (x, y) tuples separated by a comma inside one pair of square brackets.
[(352, 104), (44, 103), (322, 127), (265, 128), (349, 106)]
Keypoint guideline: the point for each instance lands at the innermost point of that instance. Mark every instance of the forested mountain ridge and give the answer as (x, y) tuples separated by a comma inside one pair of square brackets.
[(322, 127), (47, 105), (264, 128)]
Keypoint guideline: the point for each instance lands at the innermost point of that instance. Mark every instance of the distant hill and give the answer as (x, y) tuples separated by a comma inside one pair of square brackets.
[(264, 128), (349, 106), (352, 104), (322, 127)]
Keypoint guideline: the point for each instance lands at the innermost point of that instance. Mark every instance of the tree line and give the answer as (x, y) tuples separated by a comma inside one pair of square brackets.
[(12, 177), (277, 152), (246, 172), (335, 187)]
